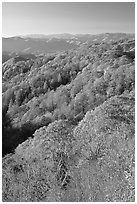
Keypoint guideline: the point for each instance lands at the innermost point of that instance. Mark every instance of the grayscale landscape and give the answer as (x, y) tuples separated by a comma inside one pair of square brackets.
[(68, 102)]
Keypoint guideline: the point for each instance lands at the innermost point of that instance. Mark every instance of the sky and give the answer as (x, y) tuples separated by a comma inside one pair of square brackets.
[(22, 18)]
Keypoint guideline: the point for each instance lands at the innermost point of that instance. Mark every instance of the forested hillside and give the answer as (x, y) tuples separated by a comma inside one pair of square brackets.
[(68, 124)]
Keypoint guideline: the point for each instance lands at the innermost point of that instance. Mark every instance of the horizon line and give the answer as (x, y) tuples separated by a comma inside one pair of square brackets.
[(25, 35)]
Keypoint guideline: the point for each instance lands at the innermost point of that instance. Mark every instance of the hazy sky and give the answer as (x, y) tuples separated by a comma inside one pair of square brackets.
[(48, 18)]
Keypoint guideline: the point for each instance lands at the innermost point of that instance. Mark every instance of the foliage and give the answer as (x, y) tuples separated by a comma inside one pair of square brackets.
[(68, 120), (93, 163), (45, 160), (105, 141)]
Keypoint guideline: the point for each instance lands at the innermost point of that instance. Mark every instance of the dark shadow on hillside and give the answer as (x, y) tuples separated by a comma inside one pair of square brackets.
[(12, 137)]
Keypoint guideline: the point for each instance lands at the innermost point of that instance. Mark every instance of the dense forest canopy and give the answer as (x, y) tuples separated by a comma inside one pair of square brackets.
[(68, 124)]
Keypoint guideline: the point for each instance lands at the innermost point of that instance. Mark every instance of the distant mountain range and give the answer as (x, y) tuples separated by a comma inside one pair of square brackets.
[(78, 36), (20, 56), (42, 44), (37, 45)]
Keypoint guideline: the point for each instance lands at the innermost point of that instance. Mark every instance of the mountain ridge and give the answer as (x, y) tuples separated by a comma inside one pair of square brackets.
[(68, 124)]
